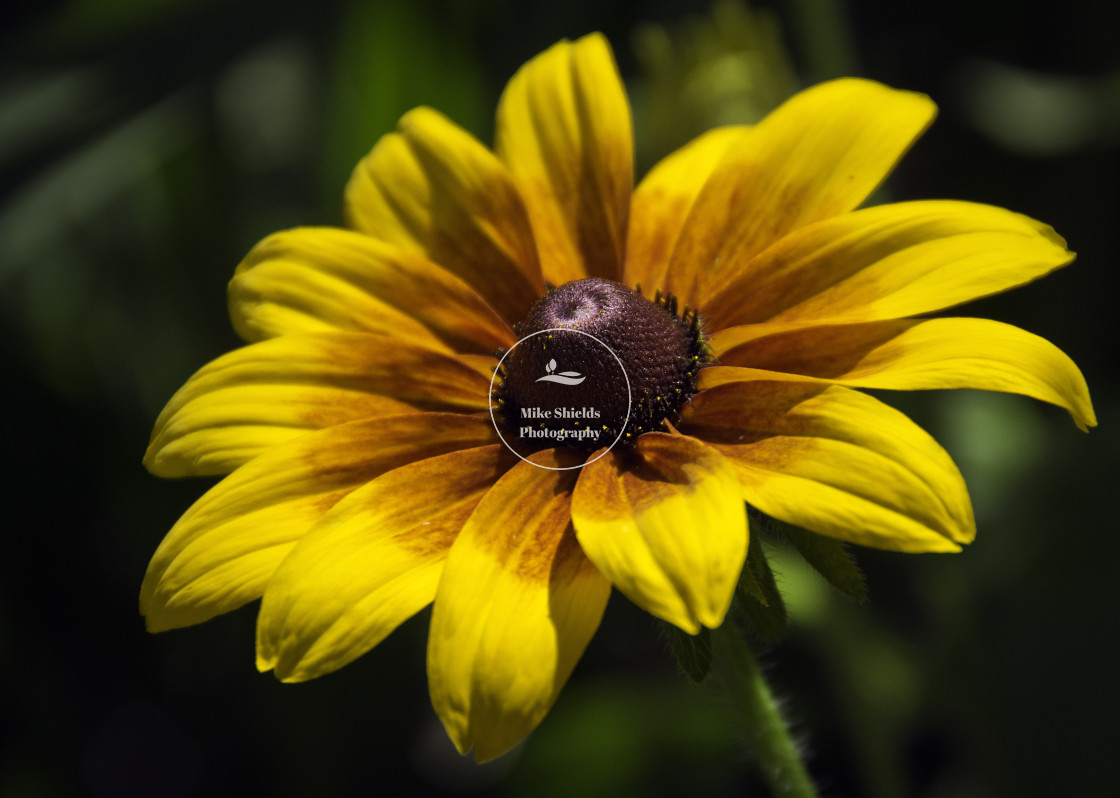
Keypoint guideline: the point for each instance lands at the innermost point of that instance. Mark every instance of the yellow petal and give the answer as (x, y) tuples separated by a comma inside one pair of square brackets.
[(319, 279), (660, 209), (888, 262), (913, 355), (267, 393), (223, 550), (818, 155), (516, 606), (715, 376), (433, 189), (666, 526), (371, 563), (564, 129), (836, 462)]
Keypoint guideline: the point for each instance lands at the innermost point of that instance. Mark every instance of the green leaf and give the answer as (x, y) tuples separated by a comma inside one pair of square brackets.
[(749, 584), (761, 609), (830, 558), (693, 652)]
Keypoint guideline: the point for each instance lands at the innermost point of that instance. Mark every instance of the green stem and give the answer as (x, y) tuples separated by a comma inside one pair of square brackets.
[(769, 736)]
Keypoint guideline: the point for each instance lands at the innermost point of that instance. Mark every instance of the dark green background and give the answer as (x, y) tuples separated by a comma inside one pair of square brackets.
[(145, 146)]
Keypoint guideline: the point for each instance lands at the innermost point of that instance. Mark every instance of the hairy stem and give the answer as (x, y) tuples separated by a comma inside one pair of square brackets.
[(770, 740)]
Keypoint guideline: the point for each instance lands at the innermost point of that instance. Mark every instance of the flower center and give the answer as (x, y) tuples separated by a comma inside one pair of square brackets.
[(597, 362)]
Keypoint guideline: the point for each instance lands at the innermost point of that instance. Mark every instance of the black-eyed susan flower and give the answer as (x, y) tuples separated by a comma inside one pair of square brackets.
[(380, 459)]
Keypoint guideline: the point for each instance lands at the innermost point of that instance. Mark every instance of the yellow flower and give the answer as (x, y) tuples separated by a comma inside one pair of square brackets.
[(368, 479)]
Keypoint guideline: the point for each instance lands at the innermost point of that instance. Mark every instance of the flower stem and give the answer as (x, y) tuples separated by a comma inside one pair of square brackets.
[(769, 736)]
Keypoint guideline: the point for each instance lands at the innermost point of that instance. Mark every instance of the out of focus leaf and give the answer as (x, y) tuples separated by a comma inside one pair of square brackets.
[(761, 609), (693, 652), (82, 23), (831, 559)]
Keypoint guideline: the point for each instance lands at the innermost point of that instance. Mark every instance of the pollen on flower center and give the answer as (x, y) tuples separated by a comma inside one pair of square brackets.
[(627, 365)]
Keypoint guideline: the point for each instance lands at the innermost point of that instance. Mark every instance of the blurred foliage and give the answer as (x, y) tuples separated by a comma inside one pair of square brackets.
[(145, 146), (1041, 114), (729, 67)]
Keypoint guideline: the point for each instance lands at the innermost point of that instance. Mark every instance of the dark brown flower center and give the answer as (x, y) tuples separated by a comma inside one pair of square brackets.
[(597, 362)]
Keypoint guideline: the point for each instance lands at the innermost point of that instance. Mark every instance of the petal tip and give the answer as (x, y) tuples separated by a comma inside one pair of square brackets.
[(593, 39), (1085, 418), (713, 618), (690, 626), (457, 730), (266, 655), (416, 115), (483, 753), (156, 619), (158, 464)]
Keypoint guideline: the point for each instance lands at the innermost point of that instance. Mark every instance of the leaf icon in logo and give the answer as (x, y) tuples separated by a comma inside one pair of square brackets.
[(564, 377)]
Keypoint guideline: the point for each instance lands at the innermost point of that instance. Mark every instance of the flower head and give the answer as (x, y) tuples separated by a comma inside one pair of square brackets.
[(373, 444)]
